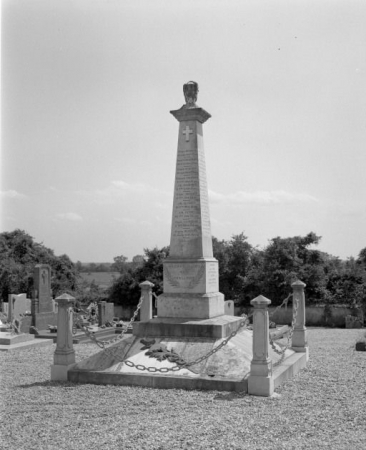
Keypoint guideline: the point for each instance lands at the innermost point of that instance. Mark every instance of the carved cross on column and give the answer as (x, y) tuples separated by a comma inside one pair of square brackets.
[(187, 132)]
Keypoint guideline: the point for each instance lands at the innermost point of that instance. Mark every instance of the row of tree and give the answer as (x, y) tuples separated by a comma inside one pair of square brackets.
[(244, 271), (120, 264), (19, 253)]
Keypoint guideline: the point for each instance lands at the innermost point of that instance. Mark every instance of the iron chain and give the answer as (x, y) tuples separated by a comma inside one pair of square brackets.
[(141, 367), (103, 344), (289, 337)]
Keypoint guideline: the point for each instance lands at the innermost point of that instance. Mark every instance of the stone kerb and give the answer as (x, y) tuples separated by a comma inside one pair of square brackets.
[(64, 356), (260, 381), (299, 337), (146, 311)]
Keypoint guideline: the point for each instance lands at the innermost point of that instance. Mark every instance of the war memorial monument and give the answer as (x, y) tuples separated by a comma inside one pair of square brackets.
[(191, 343)]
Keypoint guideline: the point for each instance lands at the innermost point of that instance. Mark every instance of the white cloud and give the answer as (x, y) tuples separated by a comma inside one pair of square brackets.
[(119, 188), (70, 216), (12, 194), (220, 222), (125, 220), (260, 197)]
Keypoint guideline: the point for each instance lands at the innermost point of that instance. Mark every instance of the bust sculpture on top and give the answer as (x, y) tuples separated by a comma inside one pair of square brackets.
[(190, 91)]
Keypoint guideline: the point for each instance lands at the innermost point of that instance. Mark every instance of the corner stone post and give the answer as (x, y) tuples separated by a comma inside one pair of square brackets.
[(299, 337), (260, 381), (146, 306), (64, 356)]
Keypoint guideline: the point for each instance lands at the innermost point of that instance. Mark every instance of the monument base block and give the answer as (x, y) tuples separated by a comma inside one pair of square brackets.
[(227, 369), (218, 327), (191, 306)]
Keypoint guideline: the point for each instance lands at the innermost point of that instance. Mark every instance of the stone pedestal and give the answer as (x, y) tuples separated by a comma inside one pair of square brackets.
[(260, 381), (64, 356), (299, 337)]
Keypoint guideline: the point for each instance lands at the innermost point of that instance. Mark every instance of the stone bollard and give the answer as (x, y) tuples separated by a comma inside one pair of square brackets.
[(299, 337), (64, 356), (260, 381), (146, 312)]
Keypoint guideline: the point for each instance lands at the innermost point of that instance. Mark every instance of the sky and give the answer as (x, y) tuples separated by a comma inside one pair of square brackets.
[(89, 147)]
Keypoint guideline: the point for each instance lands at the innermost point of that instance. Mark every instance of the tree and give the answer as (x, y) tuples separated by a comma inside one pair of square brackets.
[(235, 258), (126, 290), (119, 264), (18, 256), (362, 257), (286, 259)]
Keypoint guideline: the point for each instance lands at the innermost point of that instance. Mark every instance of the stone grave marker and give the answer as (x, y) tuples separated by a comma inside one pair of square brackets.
[(42, 306), (105, 313), (229, 307), (18, 305)]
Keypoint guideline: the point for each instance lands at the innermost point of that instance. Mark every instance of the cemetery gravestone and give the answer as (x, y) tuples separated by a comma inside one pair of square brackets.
[(18, 305), (105, 313), (42, 306), (229, 307)]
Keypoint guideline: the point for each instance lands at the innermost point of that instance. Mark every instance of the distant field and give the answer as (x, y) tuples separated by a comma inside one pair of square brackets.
[(101, 279)]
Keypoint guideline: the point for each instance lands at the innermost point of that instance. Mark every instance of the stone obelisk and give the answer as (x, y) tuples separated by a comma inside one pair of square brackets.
[(191, 287)]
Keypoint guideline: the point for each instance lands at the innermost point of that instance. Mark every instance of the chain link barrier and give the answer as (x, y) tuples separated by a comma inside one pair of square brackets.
[(179, 366), (284, 303), (156, 299), (291, 332), (120, 336)]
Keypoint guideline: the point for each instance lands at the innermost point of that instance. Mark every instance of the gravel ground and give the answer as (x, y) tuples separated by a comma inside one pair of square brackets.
[(324, 406)]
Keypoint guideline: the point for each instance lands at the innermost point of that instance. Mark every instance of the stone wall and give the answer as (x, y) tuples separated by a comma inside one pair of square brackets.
[(334, 316)]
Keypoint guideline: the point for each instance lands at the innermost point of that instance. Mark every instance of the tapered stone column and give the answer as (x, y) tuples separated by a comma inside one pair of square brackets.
[(64, 356), (146, 306), (260, 381), (191, 287), (299, 337)]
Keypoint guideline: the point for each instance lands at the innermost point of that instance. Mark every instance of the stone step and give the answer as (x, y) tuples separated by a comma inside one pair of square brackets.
[(7, 338)]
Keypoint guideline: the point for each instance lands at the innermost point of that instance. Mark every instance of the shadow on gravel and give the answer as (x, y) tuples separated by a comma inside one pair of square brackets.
[(47, 384), (233, 396)]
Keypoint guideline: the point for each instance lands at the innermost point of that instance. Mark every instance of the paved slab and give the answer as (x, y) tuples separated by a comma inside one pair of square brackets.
[(26, 345)]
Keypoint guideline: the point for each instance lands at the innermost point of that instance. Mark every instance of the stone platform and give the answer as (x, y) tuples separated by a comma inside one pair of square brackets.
[(80, 336), (9, 342), (218, 327), (226, 370)]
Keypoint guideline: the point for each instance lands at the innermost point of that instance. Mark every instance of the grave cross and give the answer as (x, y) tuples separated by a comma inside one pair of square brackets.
[(187, 132)]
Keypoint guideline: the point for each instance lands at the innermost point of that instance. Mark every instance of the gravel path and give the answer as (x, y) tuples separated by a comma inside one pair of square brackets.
[(322, 407)]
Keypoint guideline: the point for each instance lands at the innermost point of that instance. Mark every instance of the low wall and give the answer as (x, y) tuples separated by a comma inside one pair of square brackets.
[(315, 315)]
